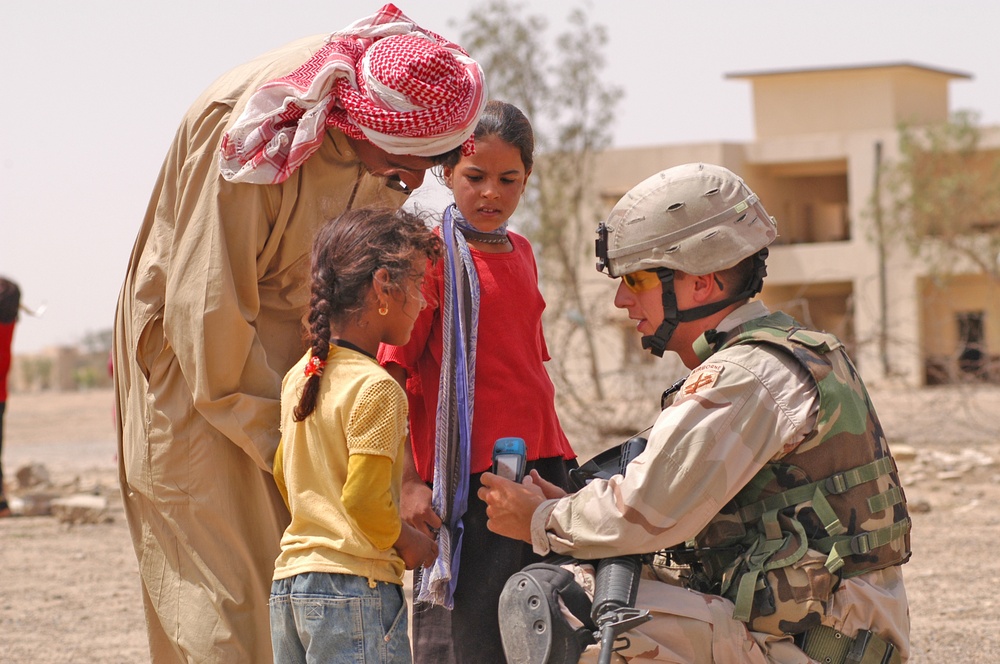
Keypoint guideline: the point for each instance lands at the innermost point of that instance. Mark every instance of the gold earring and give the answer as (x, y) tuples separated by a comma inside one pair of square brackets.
[(383, 309)]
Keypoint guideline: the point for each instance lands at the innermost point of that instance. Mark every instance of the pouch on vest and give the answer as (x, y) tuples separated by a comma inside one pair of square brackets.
[(779, 585)]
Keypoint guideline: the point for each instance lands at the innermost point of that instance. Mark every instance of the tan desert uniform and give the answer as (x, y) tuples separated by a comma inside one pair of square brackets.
[(209, 320), (742, 407)]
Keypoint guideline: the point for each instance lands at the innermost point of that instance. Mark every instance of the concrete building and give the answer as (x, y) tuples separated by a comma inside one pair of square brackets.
[(821, 135)]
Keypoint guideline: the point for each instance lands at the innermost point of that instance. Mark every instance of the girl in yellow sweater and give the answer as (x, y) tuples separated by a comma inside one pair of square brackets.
[(337, 591)]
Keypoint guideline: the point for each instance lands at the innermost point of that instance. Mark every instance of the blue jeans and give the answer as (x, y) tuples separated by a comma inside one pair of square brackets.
[(320, 618)]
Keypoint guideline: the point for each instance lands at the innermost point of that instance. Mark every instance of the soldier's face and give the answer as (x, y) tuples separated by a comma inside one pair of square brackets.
[(645, 307)]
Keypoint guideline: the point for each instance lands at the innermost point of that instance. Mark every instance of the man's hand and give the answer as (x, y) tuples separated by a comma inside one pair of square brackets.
[(415, 507), (510, 506)]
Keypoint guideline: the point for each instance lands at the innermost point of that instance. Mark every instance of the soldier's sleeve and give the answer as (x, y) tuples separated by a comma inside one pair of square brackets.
[(726, 423)]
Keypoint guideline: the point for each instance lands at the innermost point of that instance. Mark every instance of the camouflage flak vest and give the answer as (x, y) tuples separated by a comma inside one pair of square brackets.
[(833, 508)]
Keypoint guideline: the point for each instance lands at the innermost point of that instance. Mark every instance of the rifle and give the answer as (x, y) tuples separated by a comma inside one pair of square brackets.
[(617, 581)]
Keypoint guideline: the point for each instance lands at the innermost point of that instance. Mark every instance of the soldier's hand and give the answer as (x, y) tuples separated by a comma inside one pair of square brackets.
[(510, 506), (549, 490)]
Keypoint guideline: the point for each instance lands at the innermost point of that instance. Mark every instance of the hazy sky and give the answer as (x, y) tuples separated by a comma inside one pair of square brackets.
[(93, 92)]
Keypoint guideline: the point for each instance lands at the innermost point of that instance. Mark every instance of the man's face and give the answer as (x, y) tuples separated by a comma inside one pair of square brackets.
[(395, 167)]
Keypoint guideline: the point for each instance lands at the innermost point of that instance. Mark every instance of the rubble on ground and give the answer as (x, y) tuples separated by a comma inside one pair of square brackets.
[(73, 502)]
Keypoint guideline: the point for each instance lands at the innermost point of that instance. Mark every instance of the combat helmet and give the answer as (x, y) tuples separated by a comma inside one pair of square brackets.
[(697, 218)]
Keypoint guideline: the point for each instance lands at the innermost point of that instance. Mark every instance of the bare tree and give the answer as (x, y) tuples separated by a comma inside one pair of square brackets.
[(942, 197)]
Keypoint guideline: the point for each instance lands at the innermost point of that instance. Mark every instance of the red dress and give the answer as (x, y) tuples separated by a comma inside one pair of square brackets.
[(6, 340), (514, 395)]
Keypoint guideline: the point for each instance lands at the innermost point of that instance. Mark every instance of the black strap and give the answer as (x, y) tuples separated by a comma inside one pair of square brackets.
[(347, 344), (572, 595)]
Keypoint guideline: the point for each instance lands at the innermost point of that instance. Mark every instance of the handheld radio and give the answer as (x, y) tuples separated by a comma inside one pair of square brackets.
[(509, 458)]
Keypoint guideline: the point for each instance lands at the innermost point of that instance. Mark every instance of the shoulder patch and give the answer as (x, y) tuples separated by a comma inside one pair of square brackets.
[(701, 378)]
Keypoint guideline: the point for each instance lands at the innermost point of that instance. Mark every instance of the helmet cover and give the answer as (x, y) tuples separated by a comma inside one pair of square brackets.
[(697, 218)]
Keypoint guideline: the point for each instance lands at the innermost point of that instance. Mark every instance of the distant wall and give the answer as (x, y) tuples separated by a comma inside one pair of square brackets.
[(61, 368)]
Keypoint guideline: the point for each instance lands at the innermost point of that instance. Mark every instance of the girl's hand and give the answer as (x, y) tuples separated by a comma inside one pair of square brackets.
[(415, 548), (415, 507)]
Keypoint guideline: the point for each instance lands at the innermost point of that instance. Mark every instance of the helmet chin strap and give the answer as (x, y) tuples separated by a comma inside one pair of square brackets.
[(656, 343)]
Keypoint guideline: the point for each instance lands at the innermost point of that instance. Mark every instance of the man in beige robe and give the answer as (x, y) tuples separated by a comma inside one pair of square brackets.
[(210, 317)]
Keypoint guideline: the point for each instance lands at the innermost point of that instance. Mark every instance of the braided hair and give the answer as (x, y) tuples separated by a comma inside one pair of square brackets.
[(346, 253)]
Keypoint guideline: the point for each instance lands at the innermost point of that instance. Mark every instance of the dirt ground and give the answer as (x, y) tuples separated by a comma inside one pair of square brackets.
[(71, 593)]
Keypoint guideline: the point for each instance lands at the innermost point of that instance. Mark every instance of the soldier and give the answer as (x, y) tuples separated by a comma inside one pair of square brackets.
[(767, 473)]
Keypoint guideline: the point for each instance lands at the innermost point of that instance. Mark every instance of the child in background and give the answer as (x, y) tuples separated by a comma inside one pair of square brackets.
[(474, 373), (10, 303), (337, 591)]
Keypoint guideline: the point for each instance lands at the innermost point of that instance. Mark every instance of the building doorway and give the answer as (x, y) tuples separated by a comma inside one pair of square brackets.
[(972, 355)]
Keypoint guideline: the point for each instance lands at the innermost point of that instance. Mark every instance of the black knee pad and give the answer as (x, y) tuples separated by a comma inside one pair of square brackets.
[(532, 627)]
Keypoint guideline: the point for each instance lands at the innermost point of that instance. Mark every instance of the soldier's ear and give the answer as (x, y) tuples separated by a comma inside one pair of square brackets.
[(701, 287)]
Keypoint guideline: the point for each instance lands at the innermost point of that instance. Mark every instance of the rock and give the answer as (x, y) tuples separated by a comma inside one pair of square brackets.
[(919, 506), (81, 508), (32, 475), (16, 504), (903, 452), (36, 503)]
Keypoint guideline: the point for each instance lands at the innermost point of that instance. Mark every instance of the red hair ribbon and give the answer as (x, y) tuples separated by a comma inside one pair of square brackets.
[(314, 367)]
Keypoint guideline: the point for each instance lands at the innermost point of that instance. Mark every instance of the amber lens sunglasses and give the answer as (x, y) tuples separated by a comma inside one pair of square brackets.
[(641, 281)]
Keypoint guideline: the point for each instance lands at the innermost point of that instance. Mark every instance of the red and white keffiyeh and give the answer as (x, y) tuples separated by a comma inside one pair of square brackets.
[(382, 79)]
